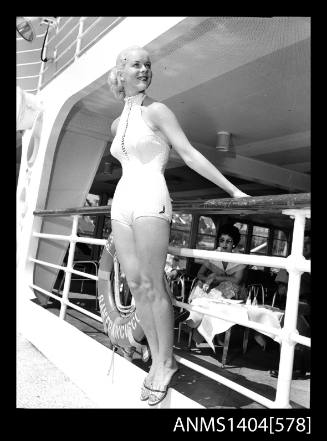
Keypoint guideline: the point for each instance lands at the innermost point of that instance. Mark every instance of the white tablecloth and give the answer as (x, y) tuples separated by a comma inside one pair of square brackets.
[(208, 326)]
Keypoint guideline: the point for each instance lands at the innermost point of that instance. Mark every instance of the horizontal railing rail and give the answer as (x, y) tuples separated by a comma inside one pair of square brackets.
[(262, 204), (296, 206), (27, 76), (182, 252), (27, 50), (256, 203), (61, 27), (29, 64)]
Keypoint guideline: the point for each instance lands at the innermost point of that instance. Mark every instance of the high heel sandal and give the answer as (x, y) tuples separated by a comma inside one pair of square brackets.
[(145, 391), (158, 395)]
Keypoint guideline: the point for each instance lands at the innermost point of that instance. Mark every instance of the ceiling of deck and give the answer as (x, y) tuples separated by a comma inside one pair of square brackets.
[(249, 76)]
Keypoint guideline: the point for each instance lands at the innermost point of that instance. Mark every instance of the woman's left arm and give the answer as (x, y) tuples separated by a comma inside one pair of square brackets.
[(164, 119)]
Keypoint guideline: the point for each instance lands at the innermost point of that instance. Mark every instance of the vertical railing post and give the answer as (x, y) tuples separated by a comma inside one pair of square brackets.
[(291, 312), (68, 273), (79, 37)]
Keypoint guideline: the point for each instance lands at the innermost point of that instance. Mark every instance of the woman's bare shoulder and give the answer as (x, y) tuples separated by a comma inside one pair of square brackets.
[(157, 111), (155, 106), (114, 126)]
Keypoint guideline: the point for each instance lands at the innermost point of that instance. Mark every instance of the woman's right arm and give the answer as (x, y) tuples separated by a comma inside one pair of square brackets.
[(202, 273), (164, 119)]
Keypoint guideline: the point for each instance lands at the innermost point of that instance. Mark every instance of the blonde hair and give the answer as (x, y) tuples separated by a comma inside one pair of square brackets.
[(114, 78)]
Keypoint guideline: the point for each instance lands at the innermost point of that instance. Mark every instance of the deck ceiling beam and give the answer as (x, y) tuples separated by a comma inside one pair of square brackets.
[(205, 193), (276, 144), (252, 170)]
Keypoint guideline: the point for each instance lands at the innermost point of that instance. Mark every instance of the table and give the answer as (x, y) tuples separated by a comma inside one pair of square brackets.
[(208, 326)]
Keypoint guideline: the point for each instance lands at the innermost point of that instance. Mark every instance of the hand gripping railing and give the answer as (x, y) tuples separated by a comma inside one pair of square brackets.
[(296, 206)]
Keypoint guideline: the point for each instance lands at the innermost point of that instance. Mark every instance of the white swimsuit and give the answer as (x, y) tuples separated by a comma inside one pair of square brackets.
[(143, 154)]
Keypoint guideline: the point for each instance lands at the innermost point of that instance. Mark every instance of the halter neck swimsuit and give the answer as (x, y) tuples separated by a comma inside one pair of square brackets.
[(143, 154)]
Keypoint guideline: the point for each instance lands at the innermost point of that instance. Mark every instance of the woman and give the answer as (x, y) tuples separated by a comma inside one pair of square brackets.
[(227, 277), (141, 210), (218, 279)]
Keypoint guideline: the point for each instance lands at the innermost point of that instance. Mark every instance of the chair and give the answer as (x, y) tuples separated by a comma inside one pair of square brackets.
[(303, 320), (183, 326), (177, 287), (190, 331), (182, 323), (257, 294)]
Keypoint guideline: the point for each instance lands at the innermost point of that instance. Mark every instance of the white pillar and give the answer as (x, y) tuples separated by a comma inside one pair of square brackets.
[(291, 311)]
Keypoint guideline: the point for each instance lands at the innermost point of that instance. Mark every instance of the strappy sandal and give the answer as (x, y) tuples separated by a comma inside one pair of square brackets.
[(145, 392), (156, 396)]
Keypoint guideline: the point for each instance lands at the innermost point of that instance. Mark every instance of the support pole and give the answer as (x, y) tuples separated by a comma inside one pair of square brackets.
[(291, 311)]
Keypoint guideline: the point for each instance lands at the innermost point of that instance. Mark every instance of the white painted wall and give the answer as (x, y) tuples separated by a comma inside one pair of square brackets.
[(74, 166)]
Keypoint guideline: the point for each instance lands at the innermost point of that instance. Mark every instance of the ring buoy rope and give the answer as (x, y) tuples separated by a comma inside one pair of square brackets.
[(123, 328)]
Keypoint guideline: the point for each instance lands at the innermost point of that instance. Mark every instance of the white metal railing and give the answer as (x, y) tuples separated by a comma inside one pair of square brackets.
[(295, 264), (27, 76), (58, 54), (62, 27), (59, 49), (27, 50), (29, 64)]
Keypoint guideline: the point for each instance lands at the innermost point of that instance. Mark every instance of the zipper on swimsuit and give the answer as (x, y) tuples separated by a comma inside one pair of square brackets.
[(130, 101), (123, 137)]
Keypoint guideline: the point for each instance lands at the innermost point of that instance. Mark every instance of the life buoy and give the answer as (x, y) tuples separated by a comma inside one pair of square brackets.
[(123, 330)]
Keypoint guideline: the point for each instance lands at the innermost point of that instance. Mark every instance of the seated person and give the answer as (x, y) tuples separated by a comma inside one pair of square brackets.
[(221, 279), (174, 270), (279, 299)]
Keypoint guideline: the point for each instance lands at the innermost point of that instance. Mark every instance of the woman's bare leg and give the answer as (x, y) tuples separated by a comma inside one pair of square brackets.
[(126, 252), (151, 240)]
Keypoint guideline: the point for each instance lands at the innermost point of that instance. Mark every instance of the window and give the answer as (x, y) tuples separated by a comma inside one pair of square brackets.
[(243, 229), (280, 244), (206, 237), (180, 230), (259, 240), (86, 228), (86, 224), (180, 233), (106, 230), (259, 243)]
